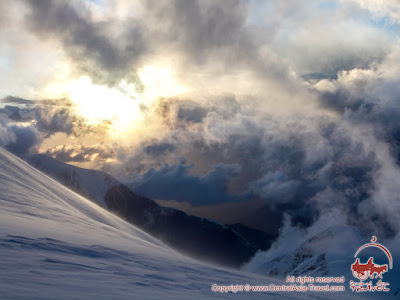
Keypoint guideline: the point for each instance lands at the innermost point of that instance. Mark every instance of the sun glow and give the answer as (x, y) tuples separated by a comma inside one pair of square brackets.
[(99, 103), (120, 105), (159, 81)]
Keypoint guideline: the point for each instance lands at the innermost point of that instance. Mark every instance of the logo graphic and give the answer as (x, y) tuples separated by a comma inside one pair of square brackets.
[(363, 271), (370, 269)]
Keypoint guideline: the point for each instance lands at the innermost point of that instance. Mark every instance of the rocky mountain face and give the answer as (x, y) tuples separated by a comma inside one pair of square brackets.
[(262, 240)]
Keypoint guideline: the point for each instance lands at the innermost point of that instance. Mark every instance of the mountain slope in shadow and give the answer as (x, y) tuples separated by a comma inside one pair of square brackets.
[(197, 237)]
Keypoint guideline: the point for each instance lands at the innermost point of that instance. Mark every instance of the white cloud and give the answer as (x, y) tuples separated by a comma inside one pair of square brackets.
[(381, 8)]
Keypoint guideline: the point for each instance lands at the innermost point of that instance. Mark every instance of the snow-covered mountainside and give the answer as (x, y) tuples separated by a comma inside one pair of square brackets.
[(55, 244), (319, 255), (91, 184), (197, 237), (328, 252)]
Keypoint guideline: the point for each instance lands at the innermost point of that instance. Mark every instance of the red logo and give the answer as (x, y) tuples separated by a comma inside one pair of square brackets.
[(363, 271), (370, 269)]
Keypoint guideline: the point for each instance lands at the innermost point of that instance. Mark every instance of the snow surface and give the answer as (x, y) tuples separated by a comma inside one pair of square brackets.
[(92, 183), (330, 252), (55, 244)]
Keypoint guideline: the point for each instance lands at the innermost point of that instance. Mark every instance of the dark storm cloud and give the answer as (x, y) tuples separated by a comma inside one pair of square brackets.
[(201, 27), (26, 140), (48, 119), (20, 140), (159, 149), (216, 33), (6, 134), (12, 112), (92, 47), (176, 183), (189, 111), (54, 120), (194, 112)]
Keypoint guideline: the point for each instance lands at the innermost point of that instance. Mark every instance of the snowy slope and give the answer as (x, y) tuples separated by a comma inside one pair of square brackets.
[(196, 237), (54, 244), (91, 184), (328, 252)]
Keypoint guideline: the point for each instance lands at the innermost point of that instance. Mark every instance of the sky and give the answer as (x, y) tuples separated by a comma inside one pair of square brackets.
[(239, 110)]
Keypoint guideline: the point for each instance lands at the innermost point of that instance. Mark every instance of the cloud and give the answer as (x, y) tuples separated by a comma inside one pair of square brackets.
[(21, 140), (201, 28), (80, 153), (6, 135), (15, 100), (176, 183), (381, 9), (315, 247), (48, 119), (190, 112), (50, 116), (159, 149), (26, 139), (25, 124), (94, 49), (303, 165), (111, 49), (276, 186)]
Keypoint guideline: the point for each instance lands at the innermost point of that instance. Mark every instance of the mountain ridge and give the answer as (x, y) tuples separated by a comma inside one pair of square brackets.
[(197, 237)]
